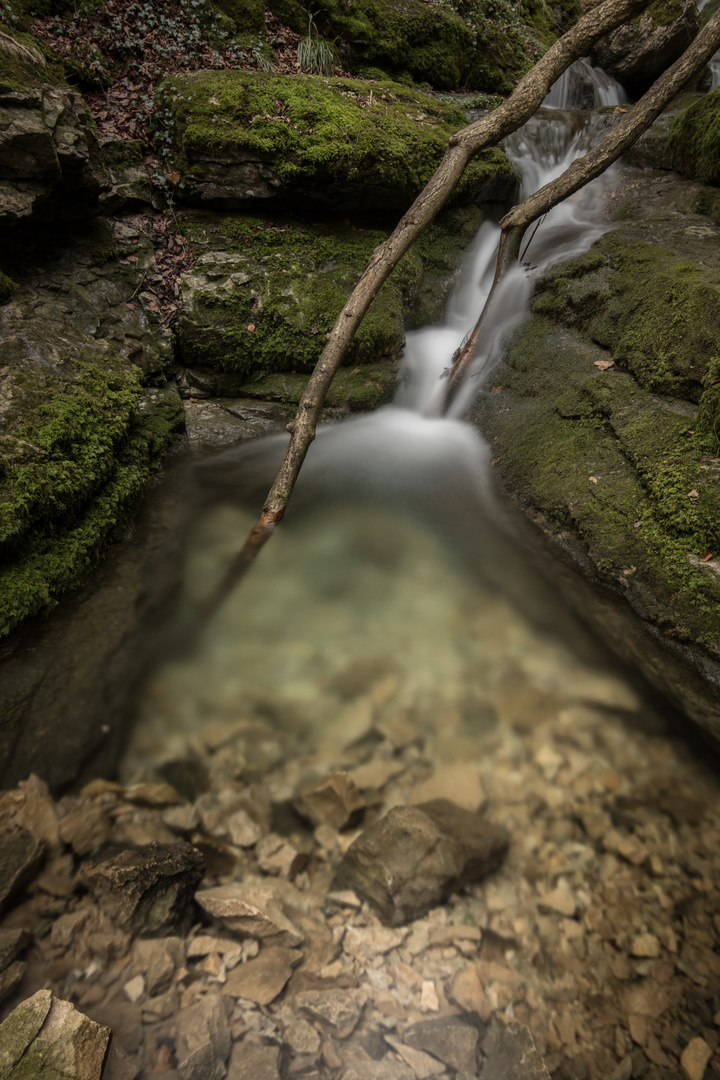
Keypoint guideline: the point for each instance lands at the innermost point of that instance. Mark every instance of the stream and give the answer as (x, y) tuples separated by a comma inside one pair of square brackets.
[(394, 644)]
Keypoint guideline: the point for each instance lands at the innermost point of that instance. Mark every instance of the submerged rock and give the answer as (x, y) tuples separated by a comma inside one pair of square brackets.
[(416, 856), (147, 889), (45, 1037)]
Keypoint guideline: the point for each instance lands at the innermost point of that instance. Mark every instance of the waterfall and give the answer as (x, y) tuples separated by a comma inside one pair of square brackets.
[(406, 454)]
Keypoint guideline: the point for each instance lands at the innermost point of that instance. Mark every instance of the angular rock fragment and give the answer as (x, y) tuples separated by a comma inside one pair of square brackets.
[(449, 1039), (262, 979), (336, 802), (253, 910), (254, 1061), (694, 1059), (203, 1040), (301, 1037), (340, 1010), (21, 855), (511, 1054), (416, 856), (11, 977), (147, 889), (12, 943), (45, 1036), (423, 1065)]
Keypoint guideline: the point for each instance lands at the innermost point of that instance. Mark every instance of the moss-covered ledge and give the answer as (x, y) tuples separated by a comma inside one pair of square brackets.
[(80, 440), (604, 420), (346, 146)]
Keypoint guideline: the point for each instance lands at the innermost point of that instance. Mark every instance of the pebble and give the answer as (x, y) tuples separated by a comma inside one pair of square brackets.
[(694, 1059)]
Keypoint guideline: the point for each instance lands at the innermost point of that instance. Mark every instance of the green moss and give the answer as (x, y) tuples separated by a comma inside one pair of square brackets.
[(320, 130), (288, 282), (657, 313), (612, 464), (8, 288), (19, 70), (74, 457), (694, 139), (122, 153), (364, 387), (246, 16)]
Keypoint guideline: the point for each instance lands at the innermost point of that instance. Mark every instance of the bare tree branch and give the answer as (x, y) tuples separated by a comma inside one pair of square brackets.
[(622, 136), (462, 146)]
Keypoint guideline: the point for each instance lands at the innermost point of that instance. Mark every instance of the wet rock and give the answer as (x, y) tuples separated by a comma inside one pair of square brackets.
[(637, 53), (254, 1061), (694, 1059), (511, 1054), (253, 910), (415, 857), (448, 1039), (47, 1037), (203, 1040), (263, 979), (21, 856), (335, 802), (148, 889), (340, 1010)]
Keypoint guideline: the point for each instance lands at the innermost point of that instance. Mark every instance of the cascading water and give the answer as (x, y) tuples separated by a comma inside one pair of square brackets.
[(406, 453), (715, 60)]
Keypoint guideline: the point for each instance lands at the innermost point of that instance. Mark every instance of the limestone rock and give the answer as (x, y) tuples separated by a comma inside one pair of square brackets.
[(254, 1061), (637, 53), (50, 162), (511, 1054), (336, 802), (694, 1059), (415, 857), (253, 910), (263, 979), (148, 889), (448, 1039), (21, 855), (203, 1040), (340, 1010), (47, 1037)]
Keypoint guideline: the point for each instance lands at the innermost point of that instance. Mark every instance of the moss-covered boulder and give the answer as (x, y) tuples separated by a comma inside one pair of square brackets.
[(262, 297), (476, 44), (694, 139), (638, 52), (342, 146), (603, 420), (80, 433)]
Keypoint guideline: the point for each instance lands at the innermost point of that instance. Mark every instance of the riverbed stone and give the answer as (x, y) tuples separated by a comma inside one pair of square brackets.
[(511, 1054), (149, 888), (415, 857), (48, 1037), (252, 910)]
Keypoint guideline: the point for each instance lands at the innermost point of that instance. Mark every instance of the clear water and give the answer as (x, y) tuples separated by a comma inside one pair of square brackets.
[(396, 551)]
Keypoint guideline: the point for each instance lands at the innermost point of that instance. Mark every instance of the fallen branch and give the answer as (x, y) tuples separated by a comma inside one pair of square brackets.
[(462, 146), (622, 136)]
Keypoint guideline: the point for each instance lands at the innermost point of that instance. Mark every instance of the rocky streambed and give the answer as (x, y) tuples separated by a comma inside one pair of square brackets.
[(471, 850)]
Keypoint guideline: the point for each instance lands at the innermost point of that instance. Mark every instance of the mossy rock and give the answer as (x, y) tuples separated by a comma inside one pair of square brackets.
[(25, 64), (656, 311), (75, 454), (600, 459), (347, 146), (694, 140), (476, 44), (246, 16), (263, 296)]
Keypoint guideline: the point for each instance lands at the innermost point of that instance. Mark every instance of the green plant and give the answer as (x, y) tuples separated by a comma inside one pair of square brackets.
[(315, 56)]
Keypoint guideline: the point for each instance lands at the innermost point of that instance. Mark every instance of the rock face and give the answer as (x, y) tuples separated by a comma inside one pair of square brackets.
[(616, 458), (49, 156), (637, 53), (345, 147), (415, 857)]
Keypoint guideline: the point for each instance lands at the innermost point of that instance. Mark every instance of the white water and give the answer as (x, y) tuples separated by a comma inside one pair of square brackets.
[(404, 454), (714, 60)]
